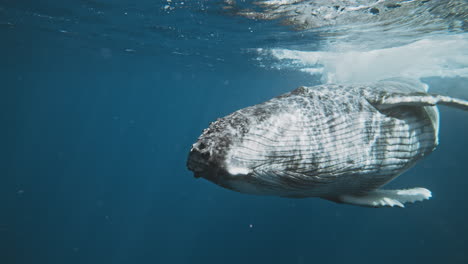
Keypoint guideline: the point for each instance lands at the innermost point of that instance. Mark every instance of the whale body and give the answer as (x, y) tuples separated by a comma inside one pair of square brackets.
[(336, 142)]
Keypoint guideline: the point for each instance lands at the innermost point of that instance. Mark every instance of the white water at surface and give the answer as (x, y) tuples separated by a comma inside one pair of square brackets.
[(439, 56), (369, 40)]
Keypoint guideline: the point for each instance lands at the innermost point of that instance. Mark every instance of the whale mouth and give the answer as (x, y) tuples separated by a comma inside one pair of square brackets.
[(196, 162), (208, 173), (199, 163)]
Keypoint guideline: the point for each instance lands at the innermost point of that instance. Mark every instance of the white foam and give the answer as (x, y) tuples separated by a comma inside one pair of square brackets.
[(279, 2), (439, 56)]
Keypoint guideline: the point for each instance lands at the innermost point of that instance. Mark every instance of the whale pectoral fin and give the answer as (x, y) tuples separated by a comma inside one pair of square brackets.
[(389, 100), (381, 198)]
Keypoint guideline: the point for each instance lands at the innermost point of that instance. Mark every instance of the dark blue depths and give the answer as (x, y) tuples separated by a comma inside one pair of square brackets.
[(93, 148)]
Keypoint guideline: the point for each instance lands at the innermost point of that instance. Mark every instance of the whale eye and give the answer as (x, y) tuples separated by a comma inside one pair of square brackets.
[(201, 146)]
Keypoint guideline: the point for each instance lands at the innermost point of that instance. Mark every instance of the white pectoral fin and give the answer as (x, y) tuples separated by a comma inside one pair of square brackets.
[(381, 198), (390, 100)]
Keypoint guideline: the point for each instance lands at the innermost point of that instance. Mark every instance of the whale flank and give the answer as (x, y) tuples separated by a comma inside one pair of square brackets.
[(336, 142)]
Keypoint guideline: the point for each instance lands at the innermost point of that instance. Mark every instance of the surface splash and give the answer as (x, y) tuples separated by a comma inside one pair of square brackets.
[(364, 40), (439, 56)]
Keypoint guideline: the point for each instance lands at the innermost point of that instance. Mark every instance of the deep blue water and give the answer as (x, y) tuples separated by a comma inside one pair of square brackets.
[(96, 128)]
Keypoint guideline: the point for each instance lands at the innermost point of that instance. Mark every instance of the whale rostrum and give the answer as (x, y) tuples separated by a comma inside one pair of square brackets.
[(336, 142)]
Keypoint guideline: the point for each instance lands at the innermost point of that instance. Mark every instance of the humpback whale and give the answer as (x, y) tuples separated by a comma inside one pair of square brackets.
[(333, 141)]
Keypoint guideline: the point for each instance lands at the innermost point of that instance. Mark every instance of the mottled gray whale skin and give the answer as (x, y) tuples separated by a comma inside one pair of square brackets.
[(337, 142)]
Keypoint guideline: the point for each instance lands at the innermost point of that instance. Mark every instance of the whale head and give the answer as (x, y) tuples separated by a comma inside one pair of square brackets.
[(209, 157)]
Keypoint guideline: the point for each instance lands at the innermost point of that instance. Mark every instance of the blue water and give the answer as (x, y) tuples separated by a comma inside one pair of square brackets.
[(99, 111)]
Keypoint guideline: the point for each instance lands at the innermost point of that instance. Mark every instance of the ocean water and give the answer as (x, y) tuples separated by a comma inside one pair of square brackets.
[(101, 100)]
